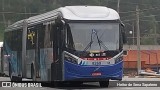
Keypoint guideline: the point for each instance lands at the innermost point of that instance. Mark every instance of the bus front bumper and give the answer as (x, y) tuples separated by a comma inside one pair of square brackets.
[(75, 72)]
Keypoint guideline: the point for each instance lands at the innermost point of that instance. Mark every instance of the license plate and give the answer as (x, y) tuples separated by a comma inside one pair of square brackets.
[(96, 63), (96, 74)]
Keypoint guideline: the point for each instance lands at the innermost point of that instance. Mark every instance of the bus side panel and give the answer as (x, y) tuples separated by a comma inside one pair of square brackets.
[(5, 66), (29, 60), (14, 61), (10, 61), (5, 61), (46, 58)]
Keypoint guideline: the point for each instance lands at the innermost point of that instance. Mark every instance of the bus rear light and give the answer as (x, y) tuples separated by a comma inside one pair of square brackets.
[(96, 74)]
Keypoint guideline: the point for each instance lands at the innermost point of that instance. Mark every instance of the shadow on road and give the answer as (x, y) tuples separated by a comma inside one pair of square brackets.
[(71, 87)]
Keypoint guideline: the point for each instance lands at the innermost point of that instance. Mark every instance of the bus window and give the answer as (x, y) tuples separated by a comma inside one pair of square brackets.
[(47, 39), (31, 38), (69, 38)]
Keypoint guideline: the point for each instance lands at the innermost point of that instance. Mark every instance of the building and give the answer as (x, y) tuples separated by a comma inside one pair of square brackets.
[(150, 56)]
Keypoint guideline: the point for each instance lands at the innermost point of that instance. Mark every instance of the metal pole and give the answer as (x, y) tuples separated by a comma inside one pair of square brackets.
[(157, 62), (118, 6), (155, 34), (138, 41), (3, 15), (133, 32), (24, 39)]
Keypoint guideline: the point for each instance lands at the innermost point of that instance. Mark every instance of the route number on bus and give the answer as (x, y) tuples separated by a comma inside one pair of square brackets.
[(96, 63)]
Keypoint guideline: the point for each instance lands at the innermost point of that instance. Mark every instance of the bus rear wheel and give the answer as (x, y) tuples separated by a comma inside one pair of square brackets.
[(104, 83), (33, 75), (14, 78)]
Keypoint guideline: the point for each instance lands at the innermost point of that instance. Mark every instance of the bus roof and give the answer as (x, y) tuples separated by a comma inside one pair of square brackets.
[(89, 13), (71, 13)]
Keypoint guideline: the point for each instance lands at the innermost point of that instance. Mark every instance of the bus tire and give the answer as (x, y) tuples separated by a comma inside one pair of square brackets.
[(10, 73), (53, 73), (33, 77), (104, 83), (19, 78), (10, 70), (14, 78)]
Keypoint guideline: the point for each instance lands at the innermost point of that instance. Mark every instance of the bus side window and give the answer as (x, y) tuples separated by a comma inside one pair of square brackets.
[(69, 38), (31, 38), (47, 37)]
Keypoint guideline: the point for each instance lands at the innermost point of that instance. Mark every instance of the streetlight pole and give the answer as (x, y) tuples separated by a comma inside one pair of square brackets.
[(138, 41), (118, 6), (133, 31)]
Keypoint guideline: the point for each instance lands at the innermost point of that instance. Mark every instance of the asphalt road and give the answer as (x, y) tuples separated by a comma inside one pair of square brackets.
[(87, 86), (84, 87)]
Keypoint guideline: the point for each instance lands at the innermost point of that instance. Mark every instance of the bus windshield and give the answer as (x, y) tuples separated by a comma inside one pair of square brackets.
[(95, 36)]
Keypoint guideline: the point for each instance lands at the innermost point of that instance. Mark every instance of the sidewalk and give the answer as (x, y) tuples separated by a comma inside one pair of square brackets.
[(138, 78), (4, 79)]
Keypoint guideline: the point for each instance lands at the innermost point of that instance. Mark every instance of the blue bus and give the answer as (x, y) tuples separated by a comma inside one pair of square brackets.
[(70, 44)]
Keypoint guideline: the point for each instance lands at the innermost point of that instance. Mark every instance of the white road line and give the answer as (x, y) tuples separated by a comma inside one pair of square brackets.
[(126, 88)]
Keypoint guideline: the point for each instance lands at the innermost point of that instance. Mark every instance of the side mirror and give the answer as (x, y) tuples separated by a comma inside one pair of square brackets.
[(123, 33), (124, 37)]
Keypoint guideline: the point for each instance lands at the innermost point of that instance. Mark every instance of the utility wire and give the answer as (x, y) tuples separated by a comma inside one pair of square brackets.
[(129, 3), (128, 20), (155, 8), (131, 15), (16, 13), (149, 21), (128, 16)]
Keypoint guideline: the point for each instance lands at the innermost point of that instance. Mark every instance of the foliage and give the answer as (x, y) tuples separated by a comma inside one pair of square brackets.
[(149, 13)]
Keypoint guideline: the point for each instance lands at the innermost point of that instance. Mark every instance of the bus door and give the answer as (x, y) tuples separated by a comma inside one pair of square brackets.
[(56, 67), (32, 52), (45, 50)]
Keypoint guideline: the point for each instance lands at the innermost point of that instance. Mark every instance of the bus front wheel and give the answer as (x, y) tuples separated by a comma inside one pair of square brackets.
[(104, 83), (33, 75)]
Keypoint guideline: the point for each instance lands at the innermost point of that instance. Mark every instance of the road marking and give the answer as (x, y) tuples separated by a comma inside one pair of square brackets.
[(126, 88)]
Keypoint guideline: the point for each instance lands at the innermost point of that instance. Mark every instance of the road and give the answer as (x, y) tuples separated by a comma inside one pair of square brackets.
[(84, 87), (88, 86)]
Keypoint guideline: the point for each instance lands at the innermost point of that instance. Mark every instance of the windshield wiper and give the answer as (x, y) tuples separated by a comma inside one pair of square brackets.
[(99, 41), (89, 44)]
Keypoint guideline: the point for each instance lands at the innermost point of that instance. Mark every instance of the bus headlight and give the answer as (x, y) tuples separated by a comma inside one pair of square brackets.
[(70, 57)]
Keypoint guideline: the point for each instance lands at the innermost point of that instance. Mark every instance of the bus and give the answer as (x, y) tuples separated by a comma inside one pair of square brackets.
[(69, 44)]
